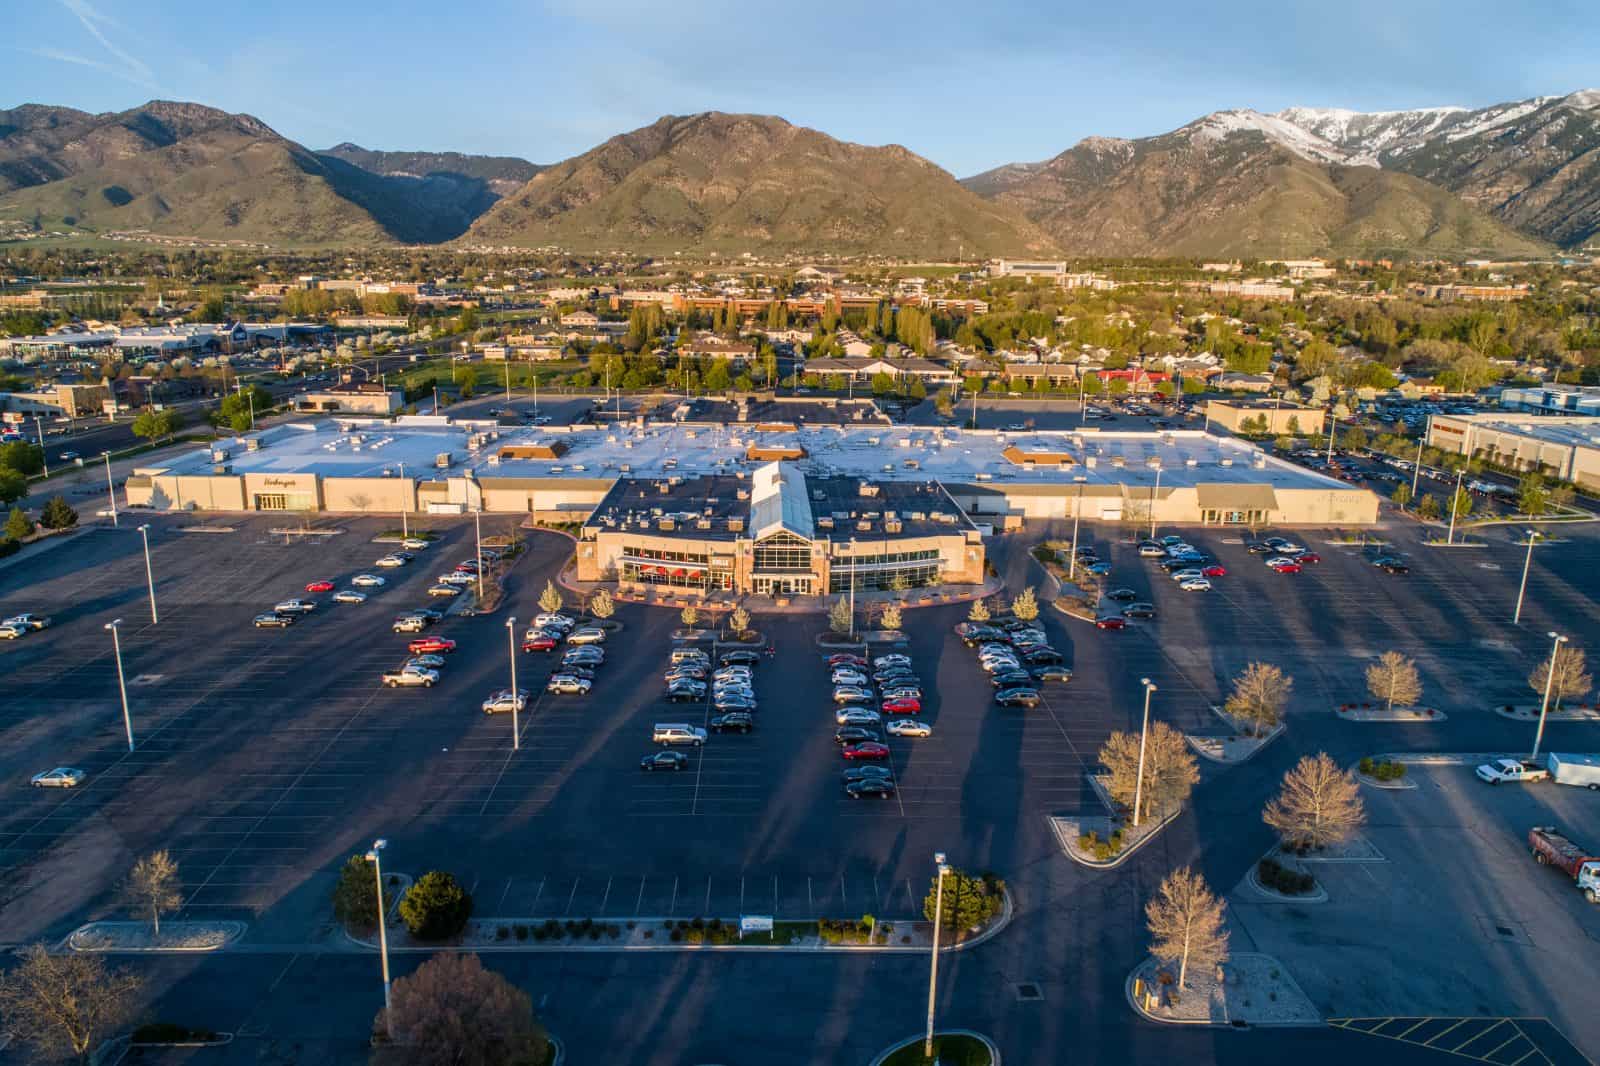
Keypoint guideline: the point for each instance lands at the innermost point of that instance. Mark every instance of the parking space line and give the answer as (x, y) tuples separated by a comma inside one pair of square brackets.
[(707, 907), (673, 909), (606, 898), (539, 894), (572, 895), (811, 904), (774, 893), (1429, 1042), (639, 902)]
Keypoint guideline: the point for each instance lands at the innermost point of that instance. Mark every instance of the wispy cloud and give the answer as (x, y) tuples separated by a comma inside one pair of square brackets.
[(134, 69), (113, 69)]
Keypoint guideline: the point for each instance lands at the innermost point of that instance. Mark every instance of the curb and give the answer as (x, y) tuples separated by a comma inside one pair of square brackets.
[(1122, 856), (560, 1056), (1388, 717), (1520, 714), (231, 931), (1127, 991), (994, 1052)]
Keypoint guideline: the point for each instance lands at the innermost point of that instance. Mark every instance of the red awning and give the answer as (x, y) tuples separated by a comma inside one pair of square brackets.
[(679, 572)]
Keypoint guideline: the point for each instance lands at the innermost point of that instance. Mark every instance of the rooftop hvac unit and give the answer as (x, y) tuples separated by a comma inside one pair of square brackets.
[(1119, 461), (1191, 462), (867, 488), (1090, 462), (222, 468), (442, 461), (864, 525), (1260, 462), (667, 525), (1225, 462), (702, 523), (253, 444), (220, 455), (891, 527), (825, 522), (736, 525)]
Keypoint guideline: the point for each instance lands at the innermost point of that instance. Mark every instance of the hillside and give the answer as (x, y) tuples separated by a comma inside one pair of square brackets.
[(1221, 190), (735, 182)]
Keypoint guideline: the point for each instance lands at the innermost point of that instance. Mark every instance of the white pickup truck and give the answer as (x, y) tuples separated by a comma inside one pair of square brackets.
[(414, 675), (1512, 770)]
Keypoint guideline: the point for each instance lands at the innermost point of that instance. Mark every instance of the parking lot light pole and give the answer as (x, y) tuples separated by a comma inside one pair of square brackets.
[(1549, 681), (852, 584), (933, 966), (1516, 619), (1144, 728), (149, 575), (111, 488), (1455, 500), (1077, 514), (115, 625), (383, 934), (1333, 423), (38, 427), (511, 640), (1154, 489), (1416, 469), (405, 533), (477, 522)]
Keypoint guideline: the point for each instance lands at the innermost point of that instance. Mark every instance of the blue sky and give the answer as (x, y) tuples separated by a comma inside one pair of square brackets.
[(969, 85)]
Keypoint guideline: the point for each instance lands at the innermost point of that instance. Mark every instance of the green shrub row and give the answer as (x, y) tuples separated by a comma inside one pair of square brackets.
[(1280, 878), (551, 929), (1382, 770), (1101, 849)]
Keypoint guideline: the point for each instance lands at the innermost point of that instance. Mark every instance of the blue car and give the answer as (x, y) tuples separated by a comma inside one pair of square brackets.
[(1100, 568)]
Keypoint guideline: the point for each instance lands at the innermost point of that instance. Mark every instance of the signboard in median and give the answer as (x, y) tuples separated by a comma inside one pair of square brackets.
[(754, 923)]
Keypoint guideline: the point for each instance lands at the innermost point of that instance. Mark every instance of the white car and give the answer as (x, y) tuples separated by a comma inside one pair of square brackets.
[(411, 676), (390, 562), (296, 606), (1180, 548), (415, 543), (11, 631), (1195, 584), (60, 777), (1187, 575), (456, 578), (895, 659), (444, 590), (1282, 560), (368, 581), (848, 677), (349, 596), (857, 716), (505, 700), (908, 727), (559, 620)]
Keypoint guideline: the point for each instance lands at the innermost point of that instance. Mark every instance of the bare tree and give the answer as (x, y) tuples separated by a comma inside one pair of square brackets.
[(839, 617), (1393, 679), (1185, 923), (1571, 678), (690, 614), (890, 618), (979, 612), (601, 605), (1259, 695), (1170, 770), (1025, 606), (550, 599), (64, 1004), (739, 620), (1320, 804), (152, 887), (453, 1012)]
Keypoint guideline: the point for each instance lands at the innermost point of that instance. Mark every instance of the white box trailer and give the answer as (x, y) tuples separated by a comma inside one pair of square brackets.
[(1569, 769)]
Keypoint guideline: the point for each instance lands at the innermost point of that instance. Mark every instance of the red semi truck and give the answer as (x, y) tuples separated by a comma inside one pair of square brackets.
[(1552, 848)]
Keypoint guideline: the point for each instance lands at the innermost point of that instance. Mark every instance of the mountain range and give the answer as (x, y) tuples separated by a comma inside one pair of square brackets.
[(1513, 179)]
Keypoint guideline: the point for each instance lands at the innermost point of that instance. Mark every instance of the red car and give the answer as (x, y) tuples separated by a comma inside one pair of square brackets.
[(423, 645), (1308, 557), (1214, 570), (320, 586), (1287, 568), (539, 644), (904, 705), (1111, 623), (867, 749), (846, 659)]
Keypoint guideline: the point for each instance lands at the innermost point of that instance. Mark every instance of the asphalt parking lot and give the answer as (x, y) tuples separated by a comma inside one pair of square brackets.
[(1457, 920), (266, 757)]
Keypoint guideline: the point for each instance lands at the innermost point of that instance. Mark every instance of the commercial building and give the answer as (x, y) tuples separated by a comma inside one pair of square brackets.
[(1027, 268), (1553, 399), (779, 532), (433, 464), (1265, 416), (1564, 447), (359, 397)]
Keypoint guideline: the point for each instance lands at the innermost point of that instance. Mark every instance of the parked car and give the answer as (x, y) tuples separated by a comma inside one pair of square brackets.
[(892, 659), (415, 543), (425, 644), (1099, 569), (668, 734), (857, 716), (1512, 770), (504, 701), (1042, 657), (1214, 570), (904, 705), (1139, 610), (900, 691), (456, 579), (60, 777), (429, 661), (319, 586), (538, 643), (727, 702), (1391, 565), (411, 678), (555, 619), (1195, 584), (663, 760), (587, 635), (732, 722), (349, 596), (908, 727), (1150, 549), (867, 749), (1017, 697), (390, 562), (409, 623), (739, 657), (437, 591), (1283, 566), (863, 771), (262, 621), (12, 631), (296, 606), (567, 685), (870, 787), (1122, 595), (1307, 557), (1052, 673), (852, 694), (368, 581), (845, 659)]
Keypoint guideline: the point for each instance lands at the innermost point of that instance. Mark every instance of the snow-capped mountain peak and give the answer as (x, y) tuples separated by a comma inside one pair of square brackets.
[(1303, 142)]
